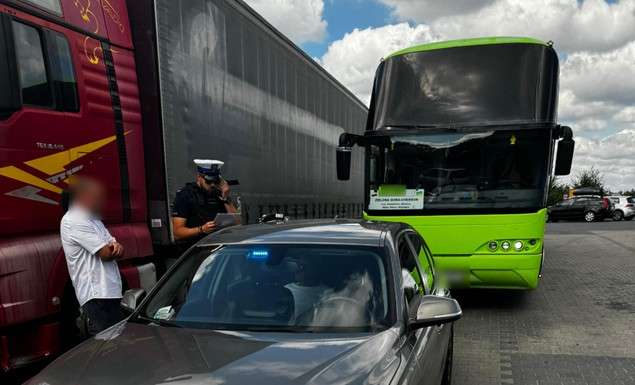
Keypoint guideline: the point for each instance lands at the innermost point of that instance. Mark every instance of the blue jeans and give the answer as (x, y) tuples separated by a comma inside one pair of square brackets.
[(102, 314)]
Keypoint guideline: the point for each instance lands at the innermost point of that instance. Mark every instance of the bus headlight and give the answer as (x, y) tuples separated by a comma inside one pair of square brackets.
[(518, 245), (505, 245)]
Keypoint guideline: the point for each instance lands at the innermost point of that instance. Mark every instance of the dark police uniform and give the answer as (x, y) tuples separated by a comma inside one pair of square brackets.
[(197, 206)]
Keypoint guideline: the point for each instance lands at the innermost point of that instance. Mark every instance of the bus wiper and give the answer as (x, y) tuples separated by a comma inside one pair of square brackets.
[(411, 126)]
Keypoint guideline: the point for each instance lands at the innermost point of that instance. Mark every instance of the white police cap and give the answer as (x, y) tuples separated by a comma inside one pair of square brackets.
[(208, 166)]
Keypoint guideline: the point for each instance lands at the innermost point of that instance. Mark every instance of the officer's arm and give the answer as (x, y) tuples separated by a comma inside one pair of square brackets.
[(183, 232)]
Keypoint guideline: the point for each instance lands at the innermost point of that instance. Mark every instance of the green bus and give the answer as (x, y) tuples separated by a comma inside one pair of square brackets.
[(460, 143)]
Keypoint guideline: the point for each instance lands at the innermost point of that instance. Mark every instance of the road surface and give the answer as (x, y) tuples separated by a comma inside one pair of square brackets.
[(578, 327)]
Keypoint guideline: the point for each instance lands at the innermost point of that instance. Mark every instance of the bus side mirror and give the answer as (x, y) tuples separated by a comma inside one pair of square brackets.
[(343, 162), (9, 88), (564, 157)]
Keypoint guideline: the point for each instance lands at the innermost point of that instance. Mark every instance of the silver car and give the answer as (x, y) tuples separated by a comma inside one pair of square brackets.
[(624, 207), (329, 302)]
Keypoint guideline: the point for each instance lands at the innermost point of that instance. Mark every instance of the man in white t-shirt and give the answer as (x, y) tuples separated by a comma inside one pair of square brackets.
[(91, 256)]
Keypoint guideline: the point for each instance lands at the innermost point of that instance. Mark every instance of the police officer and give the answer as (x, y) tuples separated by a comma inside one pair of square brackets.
[(196, 205)]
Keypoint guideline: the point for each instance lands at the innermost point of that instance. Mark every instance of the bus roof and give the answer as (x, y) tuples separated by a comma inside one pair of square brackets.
[(467, 43)]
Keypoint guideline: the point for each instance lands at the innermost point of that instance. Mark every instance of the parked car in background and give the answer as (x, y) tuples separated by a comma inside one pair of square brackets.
[(329, 302), (587, 208), (624, 207)]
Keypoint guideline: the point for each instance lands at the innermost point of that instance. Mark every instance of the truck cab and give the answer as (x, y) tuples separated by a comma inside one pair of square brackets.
[(69, 104)]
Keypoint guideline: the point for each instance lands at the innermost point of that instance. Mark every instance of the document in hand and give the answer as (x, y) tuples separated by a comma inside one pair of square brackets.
[(226, 220)]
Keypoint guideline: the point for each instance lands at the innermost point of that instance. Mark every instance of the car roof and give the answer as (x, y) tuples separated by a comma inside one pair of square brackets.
[(330, 231)]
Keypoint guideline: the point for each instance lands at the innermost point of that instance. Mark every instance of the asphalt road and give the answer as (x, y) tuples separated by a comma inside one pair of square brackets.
[(578, 327)]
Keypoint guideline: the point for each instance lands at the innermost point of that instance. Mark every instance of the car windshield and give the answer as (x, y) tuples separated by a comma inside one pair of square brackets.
[(479, 171), (275, 287)]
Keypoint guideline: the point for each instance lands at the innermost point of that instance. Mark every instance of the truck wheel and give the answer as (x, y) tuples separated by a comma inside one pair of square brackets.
[(589, 216), (618, 215)]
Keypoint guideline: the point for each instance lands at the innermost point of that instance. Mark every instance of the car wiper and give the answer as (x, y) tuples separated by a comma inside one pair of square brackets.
[(274, 329), (159, 322)]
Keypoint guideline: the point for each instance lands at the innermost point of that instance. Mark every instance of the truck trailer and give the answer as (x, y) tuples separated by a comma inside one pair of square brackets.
[(129, 92)]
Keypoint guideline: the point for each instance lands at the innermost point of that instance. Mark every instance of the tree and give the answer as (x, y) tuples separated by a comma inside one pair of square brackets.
[(590, 178), (556, 191)]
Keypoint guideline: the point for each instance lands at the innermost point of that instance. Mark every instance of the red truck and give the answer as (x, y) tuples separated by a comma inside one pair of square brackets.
[(129, 92)]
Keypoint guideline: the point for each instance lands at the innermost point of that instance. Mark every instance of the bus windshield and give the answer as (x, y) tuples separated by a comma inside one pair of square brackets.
[(482, 171), (482, 85)]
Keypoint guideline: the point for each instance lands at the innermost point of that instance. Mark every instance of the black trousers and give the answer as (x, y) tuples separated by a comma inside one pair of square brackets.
[(102, 314)]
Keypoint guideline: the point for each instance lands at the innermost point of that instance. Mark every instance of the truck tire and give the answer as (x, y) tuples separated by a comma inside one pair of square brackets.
[(590, 216), (618, 215)]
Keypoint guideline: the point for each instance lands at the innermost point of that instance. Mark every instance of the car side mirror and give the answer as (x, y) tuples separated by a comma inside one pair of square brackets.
[(343, 162), (564, 157), (10, 98), (131, 299), (434, 310)]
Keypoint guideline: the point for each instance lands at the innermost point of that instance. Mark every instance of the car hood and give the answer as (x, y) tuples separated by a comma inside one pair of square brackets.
[(132, 353)]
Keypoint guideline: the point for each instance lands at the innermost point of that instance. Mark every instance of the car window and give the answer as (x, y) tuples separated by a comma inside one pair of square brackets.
[(424, 259), (412, 284), (630, 200), (282, 287), (36, 90)]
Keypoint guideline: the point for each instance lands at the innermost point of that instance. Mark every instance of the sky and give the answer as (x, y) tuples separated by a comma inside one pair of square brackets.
[(595, 40)]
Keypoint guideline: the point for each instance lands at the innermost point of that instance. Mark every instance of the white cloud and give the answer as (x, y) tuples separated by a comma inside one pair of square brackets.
[(300, 20), (626, 115), (607, 76), (598, 90), (571, 108), (425, 11), (590, 25), (354, 58), (612, 155)]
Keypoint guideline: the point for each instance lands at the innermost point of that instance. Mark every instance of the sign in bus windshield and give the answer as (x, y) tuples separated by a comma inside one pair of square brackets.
[(473, 171), (471, 85)]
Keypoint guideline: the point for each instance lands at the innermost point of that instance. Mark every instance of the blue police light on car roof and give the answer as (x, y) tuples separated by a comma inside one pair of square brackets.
[(258, 255)]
